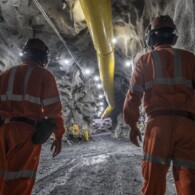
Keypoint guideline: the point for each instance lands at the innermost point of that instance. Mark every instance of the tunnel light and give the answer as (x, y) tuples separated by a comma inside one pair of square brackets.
[(99, 86), (128, 63), (87, 71), (101, 103), (100, 96), (20, 54), (114, 40), (96, 78), (99, 113), (66, 61)]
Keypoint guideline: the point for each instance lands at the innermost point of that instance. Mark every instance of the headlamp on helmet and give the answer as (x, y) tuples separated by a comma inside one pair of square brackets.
[(35, 50)]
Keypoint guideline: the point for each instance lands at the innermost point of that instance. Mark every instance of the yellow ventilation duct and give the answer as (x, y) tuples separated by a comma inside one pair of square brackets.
[(98, 15)]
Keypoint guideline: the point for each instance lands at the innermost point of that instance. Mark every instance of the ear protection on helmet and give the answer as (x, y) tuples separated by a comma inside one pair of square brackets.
[(147, 37), (164, 35), (161, 30)]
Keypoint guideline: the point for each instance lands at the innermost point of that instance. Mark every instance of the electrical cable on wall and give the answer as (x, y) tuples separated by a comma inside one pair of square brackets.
[(58, 34)]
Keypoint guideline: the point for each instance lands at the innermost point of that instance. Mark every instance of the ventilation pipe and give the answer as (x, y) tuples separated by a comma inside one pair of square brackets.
[(98, 15)]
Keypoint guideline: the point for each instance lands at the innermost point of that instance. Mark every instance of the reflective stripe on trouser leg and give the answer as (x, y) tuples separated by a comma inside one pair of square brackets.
[(21, 161), (184, 180), (12, 175), (20, 179), (154, 170), (166, 138), (17, 187), (184, 157), (154, 178), (156, 160)]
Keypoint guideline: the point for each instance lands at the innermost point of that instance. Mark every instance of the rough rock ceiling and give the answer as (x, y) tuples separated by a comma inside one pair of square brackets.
[(68, 38)]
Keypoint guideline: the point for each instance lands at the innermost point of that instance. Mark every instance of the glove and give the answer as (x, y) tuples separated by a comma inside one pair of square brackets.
[(44, 129), (134, 135), (56, 147)]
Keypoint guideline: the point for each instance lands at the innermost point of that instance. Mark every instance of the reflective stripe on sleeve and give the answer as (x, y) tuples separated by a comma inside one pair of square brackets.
[(156, 159), (32, 99), (26, 97), (168, 81), (184, 163), (10, 175), (135, 87), (50, 101)]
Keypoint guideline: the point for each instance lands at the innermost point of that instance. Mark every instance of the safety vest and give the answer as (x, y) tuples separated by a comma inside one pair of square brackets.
[(165, 76), (24, 92), (159, 78)]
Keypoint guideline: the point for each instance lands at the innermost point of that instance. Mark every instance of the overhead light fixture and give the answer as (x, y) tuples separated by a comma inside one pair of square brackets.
[(96, 78), (128, 63), (114, 40), (101, 103), (87, 71), (99, 113), (20, 54), (99, 86), (66, 61), (100, 96)]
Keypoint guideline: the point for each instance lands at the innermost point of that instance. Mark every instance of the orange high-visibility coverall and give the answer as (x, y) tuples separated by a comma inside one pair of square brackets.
[(29, 91), (165, 77)]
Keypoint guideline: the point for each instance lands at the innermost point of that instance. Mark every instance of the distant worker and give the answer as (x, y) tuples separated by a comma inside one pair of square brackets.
[(30, 111), (165, 77)]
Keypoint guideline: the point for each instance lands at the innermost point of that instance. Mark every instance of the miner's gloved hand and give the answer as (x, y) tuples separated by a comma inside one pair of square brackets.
[(134, 135), (56, 147)]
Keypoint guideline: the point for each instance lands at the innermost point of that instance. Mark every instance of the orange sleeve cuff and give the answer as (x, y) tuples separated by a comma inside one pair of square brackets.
[(60, 128)]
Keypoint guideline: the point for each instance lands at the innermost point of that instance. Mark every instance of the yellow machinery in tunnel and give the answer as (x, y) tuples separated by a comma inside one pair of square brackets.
[(98, 15)]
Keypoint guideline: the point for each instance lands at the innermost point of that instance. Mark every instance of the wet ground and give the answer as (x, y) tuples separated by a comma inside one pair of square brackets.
[(102, 166)]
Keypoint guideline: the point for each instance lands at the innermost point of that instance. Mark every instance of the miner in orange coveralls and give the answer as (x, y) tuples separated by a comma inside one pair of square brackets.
[(164, 77), (28, 94)]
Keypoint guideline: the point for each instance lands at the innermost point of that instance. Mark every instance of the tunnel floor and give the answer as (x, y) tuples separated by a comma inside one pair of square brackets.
[(103, 166)]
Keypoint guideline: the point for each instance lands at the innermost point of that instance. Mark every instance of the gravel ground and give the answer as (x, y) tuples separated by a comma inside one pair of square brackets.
[(102, 166)]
